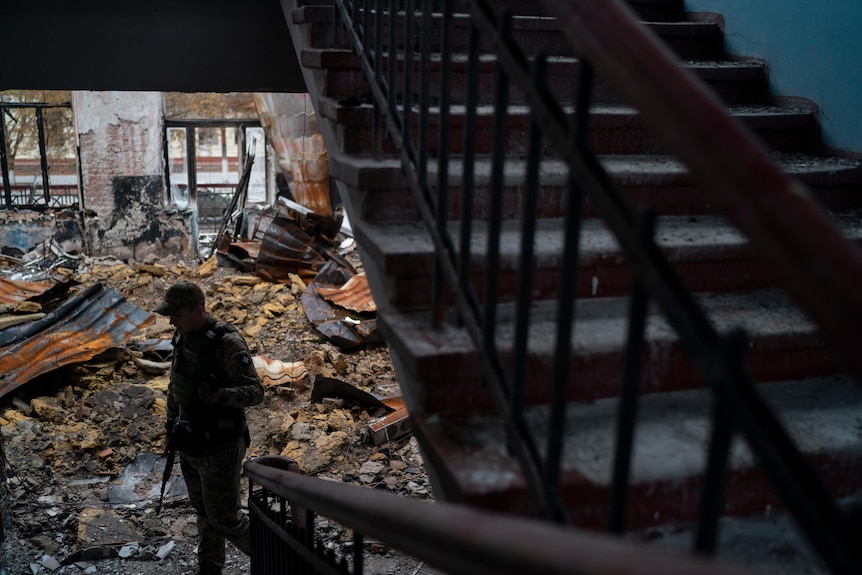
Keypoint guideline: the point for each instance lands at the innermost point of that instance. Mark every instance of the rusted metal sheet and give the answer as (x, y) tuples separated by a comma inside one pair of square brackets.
[(354, 295), (288, 249), (12, 291), (95, 323), (344, 328), (297, 244)]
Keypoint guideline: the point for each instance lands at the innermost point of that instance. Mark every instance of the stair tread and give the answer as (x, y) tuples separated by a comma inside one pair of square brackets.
[(769, 318), (401, 246), (641, 167), (821, 414), (333, 110)]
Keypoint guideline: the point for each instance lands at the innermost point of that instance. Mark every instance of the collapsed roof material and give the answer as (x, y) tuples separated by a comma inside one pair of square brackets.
[(87, 325)]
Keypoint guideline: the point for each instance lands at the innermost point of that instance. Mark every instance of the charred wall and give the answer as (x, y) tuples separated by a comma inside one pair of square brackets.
[(121, 142)]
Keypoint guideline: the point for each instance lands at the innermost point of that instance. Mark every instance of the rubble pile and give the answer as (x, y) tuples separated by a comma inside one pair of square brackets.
[(82, 444)]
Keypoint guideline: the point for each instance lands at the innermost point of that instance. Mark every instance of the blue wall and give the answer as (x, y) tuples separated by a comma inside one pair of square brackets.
[(813, 49)]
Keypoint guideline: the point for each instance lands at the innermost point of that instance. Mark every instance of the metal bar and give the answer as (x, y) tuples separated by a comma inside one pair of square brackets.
[(495, 217), (43, 156), (191, 152), (461, 540), (712, 494), (391, 96), (442, 206), (425, 88), (4, 160), (37, 105), (358, 563), (377, 117), (630, 389), (366, 26), (529, 206), (407, 97), (562, 346), (469, 160)]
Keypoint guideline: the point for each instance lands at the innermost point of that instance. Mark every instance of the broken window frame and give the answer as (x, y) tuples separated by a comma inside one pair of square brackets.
[(191, 127), (51, 200)]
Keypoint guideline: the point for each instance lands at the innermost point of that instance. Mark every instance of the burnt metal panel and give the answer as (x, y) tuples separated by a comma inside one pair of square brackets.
[(91, 325), (13, 291), (354, 295)]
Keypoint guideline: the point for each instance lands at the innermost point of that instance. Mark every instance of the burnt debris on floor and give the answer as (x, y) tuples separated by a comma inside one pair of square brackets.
[(82, 401)]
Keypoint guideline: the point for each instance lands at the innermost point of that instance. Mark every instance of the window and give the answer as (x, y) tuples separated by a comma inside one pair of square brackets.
[(38, 158), (208, 136)]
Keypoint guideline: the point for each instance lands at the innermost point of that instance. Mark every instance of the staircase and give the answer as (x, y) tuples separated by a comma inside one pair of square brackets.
[(621, 426)]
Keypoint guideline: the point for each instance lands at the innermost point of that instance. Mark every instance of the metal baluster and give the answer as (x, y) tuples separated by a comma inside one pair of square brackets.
[(407, 97), (358, 564), (568, 286), (377, 115), (391, 95), (630, 389), (4, 160), (529, 208), (495, 217), (443, 135), (469, 159), (43, 156), (424, 89)]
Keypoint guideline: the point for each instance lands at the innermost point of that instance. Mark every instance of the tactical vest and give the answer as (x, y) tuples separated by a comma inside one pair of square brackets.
[(202, 426)]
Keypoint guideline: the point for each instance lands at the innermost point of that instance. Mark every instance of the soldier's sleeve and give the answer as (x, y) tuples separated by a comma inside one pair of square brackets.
[(242, 385), (173, 407)]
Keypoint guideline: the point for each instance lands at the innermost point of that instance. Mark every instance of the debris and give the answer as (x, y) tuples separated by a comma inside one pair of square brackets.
[(298, 244), (49, 563), (165, 549), (81, 329), (91, 554), (111, 404), (12, 291), (104, 527), (390, 428), (345, 329), (141, 481), (12, 320), (277, 372), (154, 367)]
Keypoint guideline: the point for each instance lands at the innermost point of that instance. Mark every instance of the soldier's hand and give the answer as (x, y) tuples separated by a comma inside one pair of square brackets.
[(209, 391)]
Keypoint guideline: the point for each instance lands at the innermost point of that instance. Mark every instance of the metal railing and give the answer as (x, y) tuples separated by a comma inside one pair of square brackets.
[(767, 206), (452, 538)]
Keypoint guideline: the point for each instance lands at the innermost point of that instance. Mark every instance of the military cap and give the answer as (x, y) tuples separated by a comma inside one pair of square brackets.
[(181, 294)]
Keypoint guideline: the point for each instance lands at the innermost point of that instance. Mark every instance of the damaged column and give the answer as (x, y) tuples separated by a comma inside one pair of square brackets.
[(121, 139)]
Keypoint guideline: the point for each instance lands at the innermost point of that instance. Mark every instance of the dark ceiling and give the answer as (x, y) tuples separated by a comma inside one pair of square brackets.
[(152, 45)]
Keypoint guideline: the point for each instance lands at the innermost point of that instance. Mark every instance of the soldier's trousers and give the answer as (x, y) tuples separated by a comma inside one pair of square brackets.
[(214, 491)]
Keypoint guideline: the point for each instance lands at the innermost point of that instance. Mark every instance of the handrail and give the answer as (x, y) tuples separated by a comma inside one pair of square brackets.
[(820, 267), (462, 540)]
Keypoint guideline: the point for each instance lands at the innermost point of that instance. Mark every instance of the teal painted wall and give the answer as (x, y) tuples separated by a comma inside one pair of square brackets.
[(813, 49)]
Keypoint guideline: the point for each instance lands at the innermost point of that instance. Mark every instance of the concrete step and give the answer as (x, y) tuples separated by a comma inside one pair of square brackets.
[(614, 129), (701, 39), (441, 364), (742, 82), (709, 254), (821, 414), (380, 193)]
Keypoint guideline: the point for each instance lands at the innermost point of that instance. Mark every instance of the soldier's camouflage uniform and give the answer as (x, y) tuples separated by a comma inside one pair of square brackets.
[(212, 439)]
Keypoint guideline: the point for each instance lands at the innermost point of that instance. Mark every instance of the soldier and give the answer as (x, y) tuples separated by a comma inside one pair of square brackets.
[(212, 380)]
